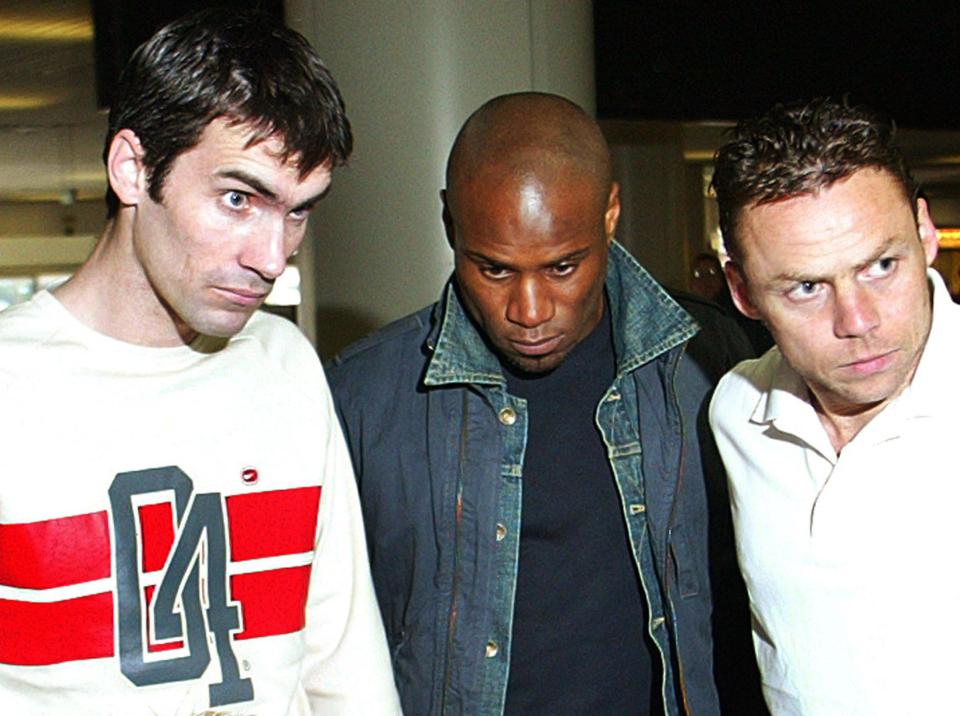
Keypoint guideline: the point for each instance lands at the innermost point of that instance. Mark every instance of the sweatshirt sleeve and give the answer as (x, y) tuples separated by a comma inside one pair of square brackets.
[(347, 666)]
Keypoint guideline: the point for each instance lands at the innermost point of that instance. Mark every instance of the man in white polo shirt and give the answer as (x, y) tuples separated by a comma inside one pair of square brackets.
[(839, 441)]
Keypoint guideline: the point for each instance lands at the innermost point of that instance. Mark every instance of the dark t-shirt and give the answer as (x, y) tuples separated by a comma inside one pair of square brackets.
[(579, 638)]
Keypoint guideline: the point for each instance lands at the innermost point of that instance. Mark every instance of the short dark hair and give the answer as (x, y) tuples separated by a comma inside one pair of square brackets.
[(799, 149), (246, 67)]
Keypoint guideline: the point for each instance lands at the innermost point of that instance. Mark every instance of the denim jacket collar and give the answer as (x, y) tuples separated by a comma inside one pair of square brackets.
[(646, 323)]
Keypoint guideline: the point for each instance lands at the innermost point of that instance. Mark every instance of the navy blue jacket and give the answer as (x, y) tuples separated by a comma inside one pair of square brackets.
[(437, 443)]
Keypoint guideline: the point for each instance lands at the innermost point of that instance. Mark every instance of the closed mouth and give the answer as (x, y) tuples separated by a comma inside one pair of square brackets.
[(536, 348), (242, 296), (871, 364)]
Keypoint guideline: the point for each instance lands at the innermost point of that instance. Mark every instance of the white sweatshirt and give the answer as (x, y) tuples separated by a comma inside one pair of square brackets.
[(179, 528)]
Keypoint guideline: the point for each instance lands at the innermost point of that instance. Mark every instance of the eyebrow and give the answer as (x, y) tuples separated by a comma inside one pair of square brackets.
[(266, 192), (250, 180), (881, 250), (874, 256)]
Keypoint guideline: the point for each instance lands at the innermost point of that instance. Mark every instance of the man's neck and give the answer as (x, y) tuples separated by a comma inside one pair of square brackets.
[(840, 428), (110, 295)]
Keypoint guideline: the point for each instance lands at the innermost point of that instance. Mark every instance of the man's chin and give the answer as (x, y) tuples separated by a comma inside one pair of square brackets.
[(222, 327), (534, 366)]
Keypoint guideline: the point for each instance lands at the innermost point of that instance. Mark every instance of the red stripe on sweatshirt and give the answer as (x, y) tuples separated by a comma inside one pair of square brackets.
[(55, 553), (36, 633), (268, 524), (159, 532), (272, 602), (76, 549)]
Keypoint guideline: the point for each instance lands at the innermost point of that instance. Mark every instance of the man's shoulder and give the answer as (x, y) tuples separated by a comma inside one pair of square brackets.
[(710, 315), (755, 374), (721, 343), (26, 321), (40, 344), (271, 327), (741, 388), (26, 331), (398, 343), (281, 343), (274, 331)]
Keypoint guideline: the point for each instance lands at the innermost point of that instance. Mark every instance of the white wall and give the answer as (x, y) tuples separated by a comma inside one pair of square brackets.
[(411, 72)]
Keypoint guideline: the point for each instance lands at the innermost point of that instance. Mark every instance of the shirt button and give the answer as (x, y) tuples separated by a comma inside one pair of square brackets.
[(501, 531), (492, 649), (508, 416)]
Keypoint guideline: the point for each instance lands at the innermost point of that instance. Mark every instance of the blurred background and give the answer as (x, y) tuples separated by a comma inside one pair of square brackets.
[(665, 79)]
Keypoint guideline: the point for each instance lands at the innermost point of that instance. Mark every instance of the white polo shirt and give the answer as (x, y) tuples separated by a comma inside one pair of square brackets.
[(852, 563)]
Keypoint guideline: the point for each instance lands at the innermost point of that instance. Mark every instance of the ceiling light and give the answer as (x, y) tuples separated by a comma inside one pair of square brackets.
[(36, 29), (13, 102)]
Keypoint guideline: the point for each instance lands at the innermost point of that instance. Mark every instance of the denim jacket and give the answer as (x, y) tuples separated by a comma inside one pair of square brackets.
[(438, 446)]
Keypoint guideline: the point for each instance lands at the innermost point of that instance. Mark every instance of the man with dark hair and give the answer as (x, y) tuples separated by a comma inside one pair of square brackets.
[(550, 381), (266, 78), (838, 442), (179, 526), (798, 150)]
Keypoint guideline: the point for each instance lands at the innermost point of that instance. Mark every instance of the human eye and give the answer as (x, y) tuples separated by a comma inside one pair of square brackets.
[(493, 271), (804, 291), (300, 215), (236, 200), (564, 268), (881, 268)]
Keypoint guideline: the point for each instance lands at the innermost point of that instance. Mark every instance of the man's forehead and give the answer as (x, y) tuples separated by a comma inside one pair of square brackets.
[(524, 185), (248, 137), (812, 247), (235, 151), (827, 186)]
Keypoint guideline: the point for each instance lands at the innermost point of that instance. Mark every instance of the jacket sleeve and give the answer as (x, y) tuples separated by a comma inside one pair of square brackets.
[(347, 666)]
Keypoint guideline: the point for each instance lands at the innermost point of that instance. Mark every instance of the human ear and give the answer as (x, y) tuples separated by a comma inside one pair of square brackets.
[(448, 227), (739, 291), (125, 169), (612, 214), (927, 231)]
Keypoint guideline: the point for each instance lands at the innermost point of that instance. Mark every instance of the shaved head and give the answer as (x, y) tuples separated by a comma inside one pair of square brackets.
[(531, 135), (530, 210)]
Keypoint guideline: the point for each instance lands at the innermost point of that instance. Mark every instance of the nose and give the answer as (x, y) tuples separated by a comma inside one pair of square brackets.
[(855, 312), (266, 251), (531, 303)]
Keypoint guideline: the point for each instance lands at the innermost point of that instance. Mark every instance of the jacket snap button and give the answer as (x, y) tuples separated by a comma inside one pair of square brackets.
[(492, 649), (501, 531), (508, 416)]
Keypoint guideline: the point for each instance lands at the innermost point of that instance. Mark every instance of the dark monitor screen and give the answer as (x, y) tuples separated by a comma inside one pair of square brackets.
[(120, 26), (685, 60)]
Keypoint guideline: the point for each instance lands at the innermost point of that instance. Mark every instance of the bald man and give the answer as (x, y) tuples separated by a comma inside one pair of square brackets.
[(550, 381)]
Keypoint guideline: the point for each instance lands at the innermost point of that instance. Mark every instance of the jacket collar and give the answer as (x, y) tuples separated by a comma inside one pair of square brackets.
[(646, 323)]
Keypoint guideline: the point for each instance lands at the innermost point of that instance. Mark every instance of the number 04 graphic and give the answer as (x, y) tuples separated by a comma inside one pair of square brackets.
[(181, 579)]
